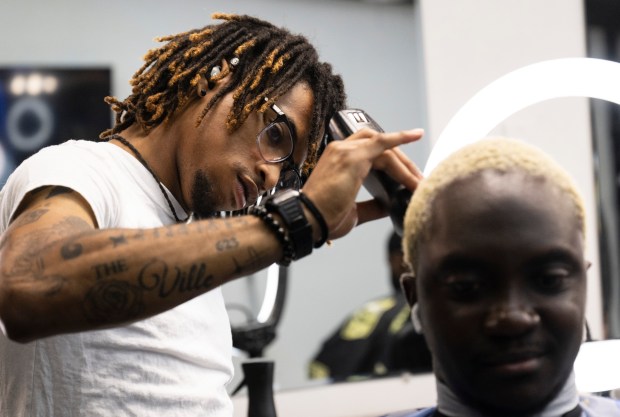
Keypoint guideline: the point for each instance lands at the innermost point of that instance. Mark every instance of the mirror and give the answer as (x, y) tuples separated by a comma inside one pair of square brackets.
[(384, 74), (330, 285), (326, 287)]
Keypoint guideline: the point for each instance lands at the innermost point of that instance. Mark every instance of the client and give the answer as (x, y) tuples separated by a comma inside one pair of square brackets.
[(494, 239)]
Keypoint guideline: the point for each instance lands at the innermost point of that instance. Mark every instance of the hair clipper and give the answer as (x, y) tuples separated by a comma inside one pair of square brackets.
[(394, 196)]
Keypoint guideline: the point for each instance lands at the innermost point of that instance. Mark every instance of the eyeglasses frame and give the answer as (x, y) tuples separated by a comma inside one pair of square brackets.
[(287, 164)]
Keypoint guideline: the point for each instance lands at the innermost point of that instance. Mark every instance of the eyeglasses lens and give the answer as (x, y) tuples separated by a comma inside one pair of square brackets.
[(275, 142), (289, 179)]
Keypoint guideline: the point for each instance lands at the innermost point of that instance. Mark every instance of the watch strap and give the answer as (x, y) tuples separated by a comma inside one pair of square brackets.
[(287, 247), (287, 205), (319, 218)]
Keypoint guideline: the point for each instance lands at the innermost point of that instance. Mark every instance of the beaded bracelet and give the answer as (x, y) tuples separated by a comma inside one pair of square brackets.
[(287, 246), (319, 218)]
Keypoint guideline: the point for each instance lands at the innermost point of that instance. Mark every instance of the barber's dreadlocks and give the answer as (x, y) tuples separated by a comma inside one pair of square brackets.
[(271, 61)]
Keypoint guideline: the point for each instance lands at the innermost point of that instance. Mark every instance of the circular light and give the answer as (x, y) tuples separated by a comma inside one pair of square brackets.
[(34, 84), (41, 112), (565, 77), (50, 84), (271, 292), (18, 85)]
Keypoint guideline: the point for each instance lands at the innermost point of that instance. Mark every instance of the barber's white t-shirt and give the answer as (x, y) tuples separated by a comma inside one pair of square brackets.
[(176, 363)]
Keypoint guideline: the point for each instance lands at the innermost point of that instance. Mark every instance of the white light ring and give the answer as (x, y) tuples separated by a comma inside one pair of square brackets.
[(271, 292), (43, 112), (564, 77)]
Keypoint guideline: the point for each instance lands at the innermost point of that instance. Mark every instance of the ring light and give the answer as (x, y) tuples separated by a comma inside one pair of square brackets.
[(26, 141), (565, 77)]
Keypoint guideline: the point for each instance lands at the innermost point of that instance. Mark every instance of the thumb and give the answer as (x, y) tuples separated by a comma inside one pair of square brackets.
[(370, 210)]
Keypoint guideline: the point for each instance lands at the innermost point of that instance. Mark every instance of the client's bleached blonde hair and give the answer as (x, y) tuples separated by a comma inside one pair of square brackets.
[(497, 154)]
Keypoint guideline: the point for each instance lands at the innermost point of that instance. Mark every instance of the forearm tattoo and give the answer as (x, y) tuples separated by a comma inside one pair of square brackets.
[(113, 301), (117, 290), (158, 276), (29, 265), (226, 244), (254, 261)]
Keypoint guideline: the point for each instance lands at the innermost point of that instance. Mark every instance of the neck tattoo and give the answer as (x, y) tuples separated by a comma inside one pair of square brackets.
[(150, 170)]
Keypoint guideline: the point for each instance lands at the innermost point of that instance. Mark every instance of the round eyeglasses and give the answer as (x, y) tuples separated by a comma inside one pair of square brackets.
[(276, 143)]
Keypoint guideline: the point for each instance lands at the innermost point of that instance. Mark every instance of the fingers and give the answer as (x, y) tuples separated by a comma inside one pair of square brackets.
[(370, 210), (382, 141), (381, 150), (408, 163), (344, 165), (398, 166)]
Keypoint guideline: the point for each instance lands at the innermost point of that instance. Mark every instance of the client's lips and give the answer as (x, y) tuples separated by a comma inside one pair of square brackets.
[(515, 362)]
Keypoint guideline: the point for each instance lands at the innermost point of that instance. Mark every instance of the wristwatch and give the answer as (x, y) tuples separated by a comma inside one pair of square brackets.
[(287, 204)]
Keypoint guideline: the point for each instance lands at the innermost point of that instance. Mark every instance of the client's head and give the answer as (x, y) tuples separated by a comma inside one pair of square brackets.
[(495, 241)]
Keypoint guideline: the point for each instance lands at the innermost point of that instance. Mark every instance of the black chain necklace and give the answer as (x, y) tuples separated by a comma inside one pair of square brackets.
[(149, 169)]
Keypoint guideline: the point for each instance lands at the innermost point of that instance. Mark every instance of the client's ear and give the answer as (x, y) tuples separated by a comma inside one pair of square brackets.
[(407, 285)]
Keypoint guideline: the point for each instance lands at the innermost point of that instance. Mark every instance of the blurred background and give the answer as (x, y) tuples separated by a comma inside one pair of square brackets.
[(408, 63)]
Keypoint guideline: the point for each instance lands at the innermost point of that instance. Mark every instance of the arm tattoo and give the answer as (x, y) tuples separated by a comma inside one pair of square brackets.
[(31, 245), (71, 250), (156, 275), (255, 260), (30, 217), (118, 240), (226, 244), (58, 190), (29, 266), (110, 268), (113, 302)]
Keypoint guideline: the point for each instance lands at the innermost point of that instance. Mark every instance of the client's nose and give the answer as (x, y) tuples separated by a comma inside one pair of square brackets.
[(511, 320)]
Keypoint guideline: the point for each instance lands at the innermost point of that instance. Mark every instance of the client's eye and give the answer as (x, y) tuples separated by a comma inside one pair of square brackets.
[(552, 278), (462, 285)]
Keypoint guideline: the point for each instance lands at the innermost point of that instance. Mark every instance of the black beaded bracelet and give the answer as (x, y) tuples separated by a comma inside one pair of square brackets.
[(287, 246), (319, 218)]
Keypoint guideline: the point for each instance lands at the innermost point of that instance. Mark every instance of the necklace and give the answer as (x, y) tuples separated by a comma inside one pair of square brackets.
[(150, 170)]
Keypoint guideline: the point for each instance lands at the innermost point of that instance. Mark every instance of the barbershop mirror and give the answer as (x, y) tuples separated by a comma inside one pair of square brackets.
[(374, 44), (326, 287)]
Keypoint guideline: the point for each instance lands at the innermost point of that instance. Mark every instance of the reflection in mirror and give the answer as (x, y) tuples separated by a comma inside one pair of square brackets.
[(327, 286), (255, 305), (377, 339)]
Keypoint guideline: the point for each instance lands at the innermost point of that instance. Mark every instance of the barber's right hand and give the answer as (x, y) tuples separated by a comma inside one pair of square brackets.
[(338, 176)]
